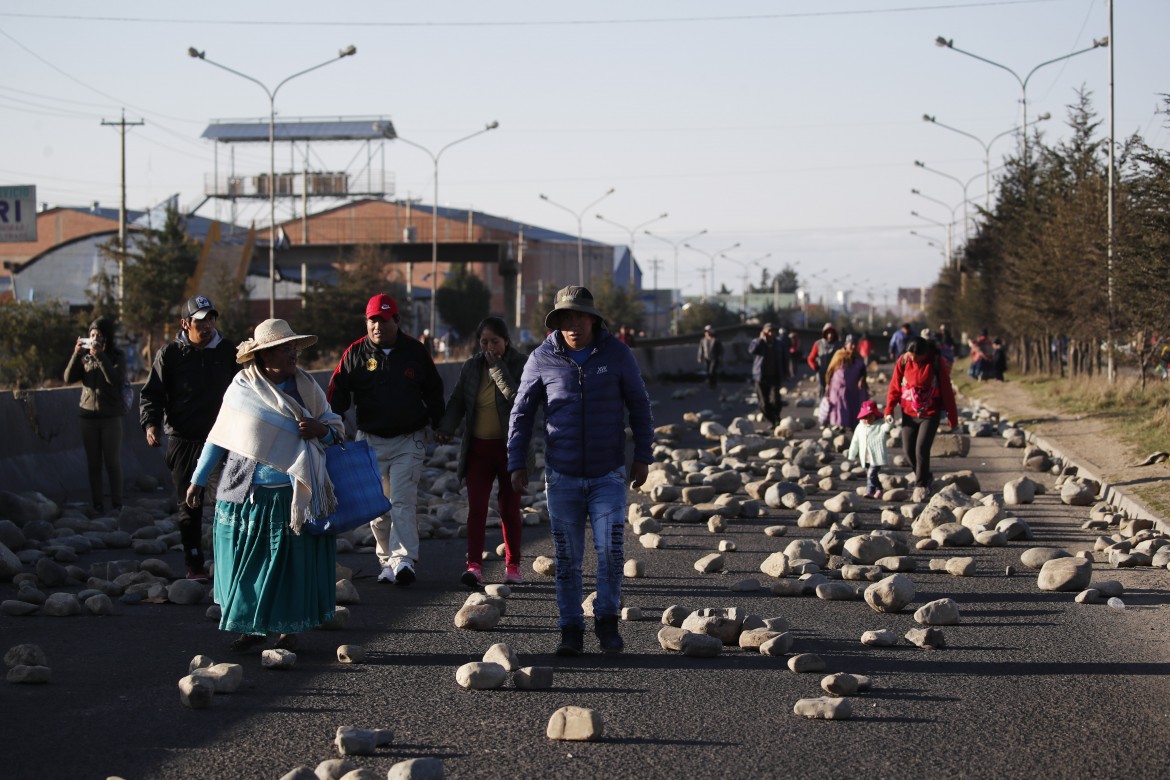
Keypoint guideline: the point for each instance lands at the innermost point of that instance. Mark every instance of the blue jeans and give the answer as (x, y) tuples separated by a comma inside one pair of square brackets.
[(603, 501)]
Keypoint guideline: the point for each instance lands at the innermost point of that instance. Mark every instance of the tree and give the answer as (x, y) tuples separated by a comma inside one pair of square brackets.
[(787, 279), (617, 305), (36, 340), (335, 312), (696, 315), (231, 301), (156, 272), (463, 301), (548, 299)]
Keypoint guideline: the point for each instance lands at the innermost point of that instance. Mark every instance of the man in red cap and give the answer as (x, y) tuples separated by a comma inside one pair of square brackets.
[(391, 381)]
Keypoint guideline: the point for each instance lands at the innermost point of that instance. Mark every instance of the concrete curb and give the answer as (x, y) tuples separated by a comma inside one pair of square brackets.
[(1111, 494)]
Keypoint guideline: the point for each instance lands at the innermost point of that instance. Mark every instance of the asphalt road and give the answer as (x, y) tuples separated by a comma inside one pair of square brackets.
[(1030, 684)]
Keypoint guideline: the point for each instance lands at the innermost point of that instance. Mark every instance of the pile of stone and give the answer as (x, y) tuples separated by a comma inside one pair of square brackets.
[(498, 663)]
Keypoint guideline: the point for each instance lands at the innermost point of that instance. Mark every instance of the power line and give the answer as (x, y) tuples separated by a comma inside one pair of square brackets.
[(524, 23)]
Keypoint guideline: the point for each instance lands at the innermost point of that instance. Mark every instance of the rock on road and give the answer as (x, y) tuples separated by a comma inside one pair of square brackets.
[(1029, 683)]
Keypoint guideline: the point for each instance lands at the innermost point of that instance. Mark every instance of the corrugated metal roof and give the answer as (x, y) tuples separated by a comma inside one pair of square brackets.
[(362, 129)]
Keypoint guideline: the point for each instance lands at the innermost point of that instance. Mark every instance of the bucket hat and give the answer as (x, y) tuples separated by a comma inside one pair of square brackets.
[(572, 298), (868, 408)]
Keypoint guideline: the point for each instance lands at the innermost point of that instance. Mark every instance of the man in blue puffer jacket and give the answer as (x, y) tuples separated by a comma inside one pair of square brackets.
[(584, 379)]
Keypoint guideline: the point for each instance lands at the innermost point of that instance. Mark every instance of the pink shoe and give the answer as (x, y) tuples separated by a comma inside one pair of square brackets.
[(512, 575), (473, 577)]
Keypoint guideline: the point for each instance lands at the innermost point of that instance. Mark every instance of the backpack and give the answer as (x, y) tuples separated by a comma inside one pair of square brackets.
[(919, 399)]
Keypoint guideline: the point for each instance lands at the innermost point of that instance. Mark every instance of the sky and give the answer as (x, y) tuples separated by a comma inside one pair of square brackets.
[(790, 128)]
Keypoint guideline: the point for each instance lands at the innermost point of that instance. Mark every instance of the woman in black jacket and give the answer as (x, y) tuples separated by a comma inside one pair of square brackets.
[(100, 367), (481, 403)]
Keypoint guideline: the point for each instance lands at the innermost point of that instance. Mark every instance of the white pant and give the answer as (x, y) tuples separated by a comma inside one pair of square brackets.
[(400, 461)]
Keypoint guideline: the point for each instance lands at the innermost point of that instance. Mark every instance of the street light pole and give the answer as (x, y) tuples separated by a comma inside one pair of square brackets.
[(711, 256), (946, 226), (1023, 82), (632, 231), (388, 131), (578, 215), (961, 183), (675, 245), (348, 51), (986, 148)]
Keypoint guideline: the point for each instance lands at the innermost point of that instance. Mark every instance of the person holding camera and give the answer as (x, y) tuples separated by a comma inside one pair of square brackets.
[(184, 390), (101, 368)]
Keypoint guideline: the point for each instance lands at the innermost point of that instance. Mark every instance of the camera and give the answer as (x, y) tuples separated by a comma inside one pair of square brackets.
[(87, 343)]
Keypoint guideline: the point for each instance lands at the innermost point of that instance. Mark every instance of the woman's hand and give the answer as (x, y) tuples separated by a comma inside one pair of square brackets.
[(194, 497), (490, 358), (312, 429), (889, 419)]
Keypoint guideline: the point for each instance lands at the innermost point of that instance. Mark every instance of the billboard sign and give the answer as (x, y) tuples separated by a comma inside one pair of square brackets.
[(18, 213)]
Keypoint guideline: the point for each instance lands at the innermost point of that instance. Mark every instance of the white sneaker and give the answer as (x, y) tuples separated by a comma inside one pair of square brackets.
[(404, 574), (387, 576)]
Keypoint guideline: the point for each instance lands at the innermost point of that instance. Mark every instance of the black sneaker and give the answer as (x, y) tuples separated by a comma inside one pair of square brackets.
[(606, 628), (572, 641)]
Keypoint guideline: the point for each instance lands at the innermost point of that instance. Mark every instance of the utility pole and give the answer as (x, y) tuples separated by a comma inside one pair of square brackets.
[(520, 281), (122, 124), (655, 264)]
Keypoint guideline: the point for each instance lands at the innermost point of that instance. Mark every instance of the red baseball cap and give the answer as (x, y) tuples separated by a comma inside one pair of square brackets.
[(381, 305)]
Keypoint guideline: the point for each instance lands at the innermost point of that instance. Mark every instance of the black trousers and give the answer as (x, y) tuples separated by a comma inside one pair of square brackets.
[(181, 458), (768, 393), (917, 439), (712, 372)]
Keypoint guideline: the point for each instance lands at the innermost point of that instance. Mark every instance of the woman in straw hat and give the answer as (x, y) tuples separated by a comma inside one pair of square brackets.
[(272, 428)]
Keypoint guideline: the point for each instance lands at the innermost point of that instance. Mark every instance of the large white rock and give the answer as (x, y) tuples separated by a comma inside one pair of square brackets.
[(824, 708), (502, 654), (940, 612), (709, 563), (481, 676), (1019, 491), (891, 594), (579, 724), (776, 565), (1065, 575)]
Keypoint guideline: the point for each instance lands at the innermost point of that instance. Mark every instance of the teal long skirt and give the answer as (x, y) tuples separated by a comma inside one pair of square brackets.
[(267, 578)]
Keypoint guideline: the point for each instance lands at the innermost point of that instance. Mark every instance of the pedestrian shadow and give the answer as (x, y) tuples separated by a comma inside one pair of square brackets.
[(906, 694), (665, 742)]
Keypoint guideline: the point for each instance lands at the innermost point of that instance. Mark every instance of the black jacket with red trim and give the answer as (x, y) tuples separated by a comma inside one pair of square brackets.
[(392, 394)]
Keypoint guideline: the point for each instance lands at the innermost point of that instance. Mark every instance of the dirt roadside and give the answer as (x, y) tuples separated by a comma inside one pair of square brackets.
[(1091, 441)]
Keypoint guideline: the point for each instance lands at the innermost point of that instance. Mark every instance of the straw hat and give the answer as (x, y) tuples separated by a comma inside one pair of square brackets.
[(271, 333)]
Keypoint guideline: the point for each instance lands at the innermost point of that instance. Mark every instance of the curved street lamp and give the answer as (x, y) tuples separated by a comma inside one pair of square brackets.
[(348, 51), (945, 43), (986, 147), (675, 245), (745, 265), (632, 231), (388, 131), (578, 216), (711, 256)]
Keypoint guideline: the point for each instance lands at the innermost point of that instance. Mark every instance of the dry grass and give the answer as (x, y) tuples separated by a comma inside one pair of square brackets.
[(1131, 416)]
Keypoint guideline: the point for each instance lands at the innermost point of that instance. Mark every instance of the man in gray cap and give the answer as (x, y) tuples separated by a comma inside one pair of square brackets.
[(182, 396), (584, 380), (710, 354)]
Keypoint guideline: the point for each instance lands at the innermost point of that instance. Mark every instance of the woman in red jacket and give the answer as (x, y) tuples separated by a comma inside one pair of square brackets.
[(921, 385)]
